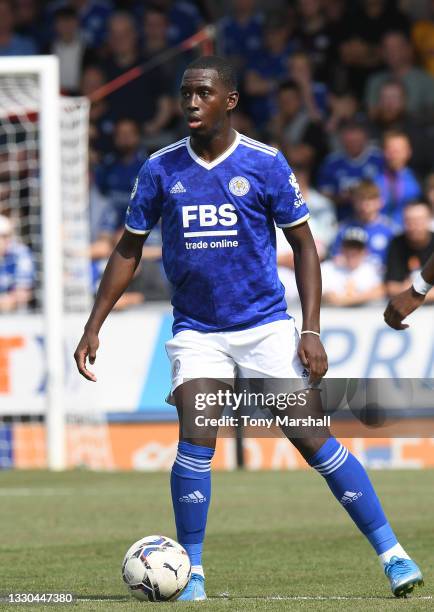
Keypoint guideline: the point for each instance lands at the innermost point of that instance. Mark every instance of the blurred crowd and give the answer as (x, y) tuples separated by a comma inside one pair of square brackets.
[(344, 89)]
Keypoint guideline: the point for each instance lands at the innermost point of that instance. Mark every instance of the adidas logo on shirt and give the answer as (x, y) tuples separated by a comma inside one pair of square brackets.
[(178, 187), (349, 497), (193, 498)]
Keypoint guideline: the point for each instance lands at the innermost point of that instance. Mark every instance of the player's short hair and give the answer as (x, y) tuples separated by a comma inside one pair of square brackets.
[(366, 190), (225, 70)]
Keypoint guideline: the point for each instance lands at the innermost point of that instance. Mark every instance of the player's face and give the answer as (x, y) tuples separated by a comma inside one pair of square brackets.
[(205, 101)]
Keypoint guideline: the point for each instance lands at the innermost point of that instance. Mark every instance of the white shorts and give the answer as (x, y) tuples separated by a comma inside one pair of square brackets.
[(266, 351)]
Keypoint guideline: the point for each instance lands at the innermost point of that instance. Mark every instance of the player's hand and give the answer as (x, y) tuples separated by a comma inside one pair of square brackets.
[(401, 306), (313, 356), (86, 349)]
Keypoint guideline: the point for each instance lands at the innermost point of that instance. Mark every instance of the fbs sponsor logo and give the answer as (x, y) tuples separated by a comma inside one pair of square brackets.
[(178, 187), (349, 497), (193, 498)]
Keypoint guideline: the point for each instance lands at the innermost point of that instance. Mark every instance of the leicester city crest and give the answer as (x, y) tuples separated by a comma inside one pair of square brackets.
[(239, 185)]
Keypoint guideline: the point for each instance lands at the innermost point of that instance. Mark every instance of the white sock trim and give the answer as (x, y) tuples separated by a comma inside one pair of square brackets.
[(395, 551), (197, 569)]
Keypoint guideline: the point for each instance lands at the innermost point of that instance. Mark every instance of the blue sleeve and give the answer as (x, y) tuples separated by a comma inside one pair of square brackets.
[(283, 195), (144, 210)]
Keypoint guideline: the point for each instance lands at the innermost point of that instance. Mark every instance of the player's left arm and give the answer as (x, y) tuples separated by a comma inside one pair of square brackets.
[(308, 278), (403, 304)]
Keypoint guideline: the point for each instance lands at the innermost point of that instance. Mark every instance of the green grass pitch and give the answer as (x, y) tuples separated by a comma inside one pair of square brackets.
[(275, 541)]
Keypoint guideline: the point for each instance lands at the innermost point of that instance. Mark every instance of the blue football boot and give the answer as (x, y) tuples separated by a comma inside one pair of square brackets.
[(195, 589), (403, 575)]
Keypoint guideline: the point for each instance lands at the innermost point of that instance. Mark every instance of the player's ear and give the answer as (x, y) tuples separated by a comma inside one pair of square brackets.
[(232, 100)]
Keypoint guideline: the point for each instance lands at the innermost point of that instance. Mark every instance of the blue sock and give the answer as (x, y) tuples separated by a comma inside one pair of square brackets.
[(191, 494), (351, 486)]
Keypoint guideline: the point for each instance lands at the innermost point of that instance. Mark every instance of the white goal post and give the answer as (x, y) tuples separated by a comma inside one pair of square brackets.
[(44, 191)]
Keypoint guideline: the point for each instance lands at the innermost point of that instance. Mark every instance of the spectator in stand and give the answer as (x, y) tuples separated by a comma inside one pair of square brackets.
[(93, 16), (101, 123), (365, 26), (429, 194), (397, 182), (29, 23), (392, 114), (266, 69), (312, 35), (344, 107), (115, 179), (409, 251), (146, 105), (352, 278), (70, 48), (336, 15), (422, 36), (379, 229), (156, 41), (185, 18), (391, 111), (11, 43), (314, 93), (418, 84), (17, 273), (240, 34), (294, 124), (322, 223), (342, 171)]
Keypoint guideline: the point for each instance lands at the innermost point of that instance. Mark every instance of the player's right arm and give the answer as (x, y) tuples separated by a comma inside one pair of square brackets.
[(116, 278), (407, 301), (142, 214)]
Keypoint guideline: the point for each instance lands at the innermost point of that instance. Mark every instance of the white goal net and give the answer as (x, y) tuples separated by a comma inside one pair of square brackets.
[(44, 199)]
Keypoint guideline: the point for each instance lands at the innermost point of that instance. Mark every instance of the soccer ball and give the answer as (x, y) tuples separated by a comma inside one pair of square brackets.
[(156, 568)]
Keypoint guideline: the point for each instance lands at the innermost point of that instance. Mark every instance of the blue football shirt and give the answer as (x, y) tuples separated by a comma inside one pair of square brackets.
[(219, 243)]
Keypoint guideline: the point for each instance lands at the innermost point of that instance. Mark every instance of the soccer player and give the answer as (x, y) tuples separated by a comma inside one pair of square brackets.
[(403, 304), (219, 195)]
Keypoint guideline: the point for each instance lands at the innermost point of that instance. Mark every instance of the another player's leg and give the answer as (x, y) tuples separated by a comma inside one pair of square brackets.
[(191, 477)]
